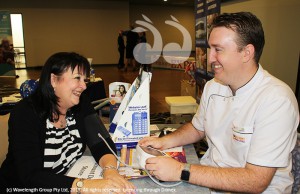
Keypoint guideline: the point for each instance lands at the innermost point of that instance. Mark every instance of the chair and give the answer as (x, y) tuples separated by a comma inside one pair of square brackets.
[(28, 87), (17, 57)]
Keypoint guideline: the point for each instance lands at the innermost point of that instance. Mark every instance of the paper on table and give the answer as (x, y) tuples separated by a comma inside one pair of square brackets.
[(179, 156), (86, 167), (131, 161)]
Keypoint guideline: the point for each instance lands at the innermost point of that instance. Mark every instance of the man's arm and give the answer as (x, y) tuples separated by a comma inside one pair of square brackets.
[(186, 134), (251, 179)]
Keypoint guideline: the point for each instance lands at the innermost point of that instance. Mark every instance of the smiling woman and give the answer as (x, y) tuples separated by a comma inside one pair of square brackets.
[(46, 141), (68, 87)]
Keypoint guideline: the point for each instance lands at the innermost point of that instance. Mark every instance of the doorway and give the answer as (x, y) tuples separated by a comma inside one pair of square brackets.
[(18, 40)]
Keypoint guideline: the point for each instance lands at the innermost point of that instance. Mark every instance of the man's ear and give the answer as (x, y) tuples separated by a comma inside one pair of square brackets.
[(53, 80), (249, 52)]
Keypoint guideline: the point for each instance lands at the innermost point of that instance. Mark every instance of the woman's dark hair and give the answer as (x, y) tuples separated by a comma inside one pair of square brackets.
[(248, 28), (124, 92), (44, 98)]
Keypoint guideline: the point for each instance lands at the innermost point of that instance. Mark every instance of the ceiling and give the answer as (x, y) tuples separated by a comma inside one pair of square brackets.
[(38, 3), (189, 3), (162, 2), (171, 2)]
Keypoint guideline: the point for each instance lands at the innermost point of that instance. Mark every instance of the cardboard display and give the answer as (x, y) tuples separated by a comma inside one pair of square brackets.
[(132, 119)]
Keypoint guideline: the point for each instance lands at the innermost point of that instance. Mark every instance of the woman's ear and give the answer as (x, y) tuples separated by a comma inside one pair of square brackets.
[(249, 52), (53, 80)]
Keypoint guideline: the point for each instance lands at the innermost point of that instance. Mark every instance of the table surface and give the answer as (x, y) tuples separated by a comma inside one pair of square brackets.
[(146, 185)]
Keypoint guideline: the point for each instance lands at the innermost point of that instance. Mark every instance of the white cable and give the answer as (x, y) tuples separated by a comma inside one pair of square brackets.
[(157, 182), (152, 178)]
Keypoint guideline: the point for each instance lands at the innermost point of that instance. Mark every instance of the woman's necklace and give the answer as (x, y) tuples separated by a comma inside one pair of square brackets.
[(63, 122)]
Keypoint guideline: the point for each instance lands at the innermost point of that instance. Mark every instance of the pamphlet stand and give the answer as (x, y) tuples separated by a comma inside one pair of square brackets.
[(132, 120)]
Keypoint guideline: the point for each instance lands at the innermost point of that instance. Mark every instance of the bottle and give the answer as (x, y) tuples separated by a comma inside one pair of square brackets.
[(92, 75), (147, 67), (123, 154)]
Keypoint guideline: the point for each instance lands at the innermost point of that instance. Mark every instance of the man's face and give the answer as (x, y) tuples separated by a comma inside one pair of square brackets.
[(224, 56)]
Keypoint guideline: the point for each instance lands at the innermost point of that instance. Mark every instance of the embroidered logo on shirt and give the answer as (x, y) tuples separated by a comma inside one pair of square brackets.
[(238, 138)]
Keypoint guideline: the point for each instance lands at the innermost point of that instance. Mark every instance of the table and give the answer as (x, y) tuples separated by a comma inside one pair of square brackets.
[(181, 104), (8, 103), (146, 185), (5, 108), (182, 108)]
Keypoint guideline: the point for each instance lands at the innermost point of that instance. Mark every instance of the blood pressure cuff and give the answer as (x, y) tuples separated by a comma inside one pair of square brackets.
[(93, 127)]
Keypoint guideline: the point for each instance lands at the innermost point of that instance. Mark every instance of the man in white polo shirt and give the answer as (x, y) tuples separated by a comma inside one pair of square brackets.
[(248, 117)]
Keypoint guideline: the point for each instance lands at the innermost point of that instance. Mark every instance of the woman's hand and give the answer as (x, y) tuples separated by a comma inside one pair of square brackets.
[(108, 163), (105, 185), (112, 174), (101, 186)]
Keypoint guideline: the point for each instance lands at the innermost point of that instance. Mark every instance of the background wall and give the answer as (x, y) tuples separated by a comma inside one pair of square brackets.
[(159, 14), (281, 26), (88, 27)]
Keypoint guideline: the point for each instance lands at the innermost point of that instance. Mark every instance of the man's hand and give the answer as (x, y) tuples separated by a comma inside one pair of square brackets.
[(164, 168), (154, 142)]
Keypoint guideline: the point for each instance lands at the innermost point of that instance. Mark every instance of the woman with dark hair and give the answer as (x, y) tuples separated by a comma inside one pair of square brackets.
[(122, 90), (50, 129)]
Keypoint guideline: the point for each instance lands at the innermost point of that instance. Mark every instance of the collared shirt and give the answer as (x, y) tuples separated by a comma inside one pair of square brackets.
[(258, 125)]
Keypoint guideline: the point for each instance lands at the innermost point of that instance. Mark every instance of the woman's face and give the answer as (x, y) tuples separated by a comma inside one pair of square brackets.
[(121, 89), (68, 88), (118, 94)]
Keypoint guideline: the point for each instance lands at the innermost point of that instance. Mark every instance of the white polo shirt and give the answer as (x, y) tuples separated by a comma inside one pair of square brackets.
[(258, 125)]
